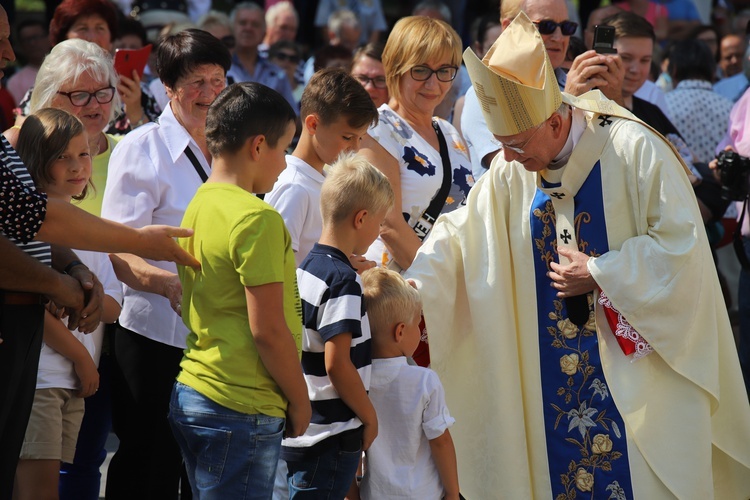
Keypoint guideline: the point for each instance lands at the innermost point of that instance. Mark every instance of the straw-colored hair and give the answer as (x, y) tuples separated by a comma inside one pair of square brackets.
[(44, 136), (416, 40), (389, 300), (354, 184)]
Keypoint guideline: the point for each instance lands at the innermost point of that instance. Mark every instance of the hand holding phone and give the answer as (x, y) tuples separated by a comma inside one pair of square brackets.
[(604, 39), (129, 60)]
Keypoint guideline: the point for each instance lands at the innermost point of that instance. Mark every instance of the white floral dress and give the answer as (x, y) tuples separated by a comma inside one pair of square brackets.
[(421, 169)]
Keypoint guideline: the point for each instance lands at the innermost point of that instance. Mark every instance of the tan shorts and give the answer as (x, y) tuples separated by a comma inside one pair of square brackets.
[(53, 426)]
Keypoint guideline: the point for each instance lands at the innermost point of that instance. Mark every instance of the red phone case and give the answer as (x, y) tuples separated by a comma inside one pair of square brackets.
[(129, 60)]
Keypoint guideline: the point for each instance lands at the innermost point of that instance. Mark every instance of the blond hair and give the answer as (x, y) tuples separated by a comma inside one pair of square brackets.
[(351, 185), (389, 300), (416, 40)]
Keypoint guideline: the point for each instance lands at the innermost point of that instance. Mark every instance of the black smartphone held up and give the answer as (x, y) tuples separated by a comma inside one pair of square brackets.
[(604, 39)]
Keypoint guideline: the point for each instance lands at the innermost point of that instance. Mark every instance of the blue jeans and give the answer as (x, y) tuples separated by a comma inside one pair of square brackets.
[(324, 476), (227, 454)]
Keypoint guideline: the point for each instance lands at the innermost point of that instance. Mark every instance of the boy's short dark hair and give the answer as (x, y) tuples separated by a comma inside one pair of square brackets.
[(180, 53), (242, 111), (629, 25), (332, 93)]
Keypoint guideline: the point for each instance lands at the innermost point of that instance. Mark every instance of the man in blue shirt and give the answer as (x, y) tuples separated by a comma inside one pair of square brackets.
[(249, 26)]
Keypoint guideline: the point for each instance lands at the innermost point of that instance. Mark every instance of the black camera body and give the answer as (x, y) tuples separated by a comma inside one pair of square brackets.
[(734, 170)]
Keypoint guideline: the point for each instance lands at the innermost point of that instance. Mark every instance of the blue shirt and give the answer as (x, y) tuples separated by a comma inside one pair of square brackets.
[(732, 87), (265, 73)]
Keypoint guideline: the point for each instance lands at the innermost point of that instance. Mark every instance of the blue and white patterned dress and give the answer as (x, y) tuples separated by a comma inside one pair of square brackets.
[(421, 169)]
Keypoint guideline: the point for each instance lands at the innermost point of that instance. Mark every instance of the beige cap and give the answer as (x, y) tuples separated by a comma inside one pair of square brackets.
[(515, 82)]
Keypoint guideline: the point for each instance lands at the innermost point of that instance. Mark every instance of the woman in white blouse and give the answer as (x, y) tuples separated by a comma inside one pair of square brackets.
[(153, 174)]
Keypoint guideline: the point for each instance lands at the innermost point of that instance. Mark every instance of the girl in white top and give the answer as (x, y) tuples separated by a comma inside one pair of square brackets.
[(54, 146)]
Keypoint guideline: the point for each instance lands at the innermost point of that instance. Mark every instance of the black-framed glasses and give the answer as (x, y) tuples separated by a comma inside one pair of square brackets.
[(548, 26), (81, 98), (378, 82), (423, 73), (283, 56)]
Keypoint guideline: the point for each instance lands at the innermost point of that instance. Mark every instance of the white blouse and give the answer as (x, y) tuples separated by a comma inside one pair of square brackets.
[(151, 181)]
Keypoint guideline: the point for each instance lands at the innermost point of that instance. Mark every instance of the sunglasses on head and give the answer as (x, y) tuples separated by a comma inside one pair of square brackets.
[(548, 26)]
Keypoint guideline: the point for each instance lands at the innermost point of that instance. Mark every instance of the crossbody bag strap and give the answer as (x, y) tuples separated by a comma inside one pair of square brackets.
[(425, 222), (198, 168)]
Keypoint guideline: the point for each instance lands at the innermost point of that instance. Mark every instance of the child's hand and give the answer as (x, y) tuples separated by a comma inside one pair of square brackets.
[(369, 433), (88, 376), (57, 312), (360, 263), (297, 419)]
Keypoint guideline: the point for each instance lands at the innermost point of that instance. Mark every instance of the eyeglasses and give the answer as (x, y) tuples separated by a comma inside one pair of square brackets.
[(548, 26), (378, 82), (81, 98), (282, 56), (423, 73), (521, 148)]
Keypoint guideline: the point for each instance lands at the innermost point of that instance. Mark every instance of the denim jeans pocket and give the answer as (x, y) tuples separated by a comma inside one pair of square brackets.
[(303, 477), (211, 447), (268, 427)]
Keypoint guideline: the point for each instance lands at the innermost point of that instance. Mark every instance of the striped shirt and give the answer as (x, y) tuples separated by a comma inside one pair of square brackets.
[(331, 293), (22, 207)]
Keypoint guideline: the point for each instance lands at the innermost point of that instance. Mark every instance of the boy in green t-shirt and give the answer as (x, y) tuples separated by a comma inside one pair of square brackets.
[(241, 374)]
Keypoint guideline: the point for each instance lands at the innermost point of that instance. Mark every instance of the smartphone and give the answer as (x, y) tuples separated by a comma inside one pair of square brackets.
[(604, 39), (129, 60)]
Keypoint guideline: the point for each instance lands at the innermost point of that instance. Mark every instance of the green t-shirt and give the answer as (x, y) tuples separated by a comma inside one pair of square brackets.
[(99, 167), (240, 241)]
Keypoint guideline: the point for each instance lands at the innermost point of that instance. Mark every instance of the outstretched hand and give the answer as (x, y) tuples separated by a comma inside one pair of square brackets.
[(157, 243)]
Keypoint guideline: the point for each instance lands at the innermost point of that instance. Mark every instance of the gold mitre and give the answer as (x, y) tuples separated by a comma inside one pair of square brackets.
[(515, 82)]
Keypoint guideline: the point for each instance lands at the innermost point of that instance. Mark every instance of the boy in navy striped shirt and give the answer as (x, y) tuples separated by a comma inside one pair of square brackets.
[(336, 351)]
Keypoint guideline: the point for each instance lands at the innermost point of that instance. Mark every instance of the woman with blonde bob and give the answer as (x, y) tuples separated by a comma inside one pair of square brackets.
[(421, 60)]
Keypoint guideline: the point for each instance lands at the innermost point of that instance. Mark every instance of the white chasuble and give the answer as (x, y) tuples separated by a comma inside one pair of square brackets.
[(545, 409)]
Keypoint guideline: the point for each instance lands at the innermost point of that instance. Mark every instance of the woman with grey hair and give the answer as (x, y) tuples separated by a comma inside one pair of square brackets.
[(79, 77), (96, 21)]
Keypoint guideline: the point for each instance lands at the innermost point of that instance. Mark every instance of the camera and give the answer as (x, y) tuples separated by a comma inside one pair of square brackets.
[(734, 170)]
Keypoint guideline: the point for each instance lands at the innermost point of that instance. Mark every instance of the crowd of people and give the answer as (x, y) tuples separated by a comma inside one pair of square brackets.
[(319, 252)]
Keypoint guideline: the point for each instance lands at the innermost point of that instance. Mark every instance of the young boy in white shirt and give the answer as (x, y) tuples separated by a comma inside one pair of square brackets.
[(336, 112), (413, 456)]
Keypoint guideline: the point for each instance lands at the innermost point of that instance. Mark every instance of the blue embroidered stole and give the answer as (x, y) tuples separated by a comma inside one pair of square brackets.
[(585, 434)]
